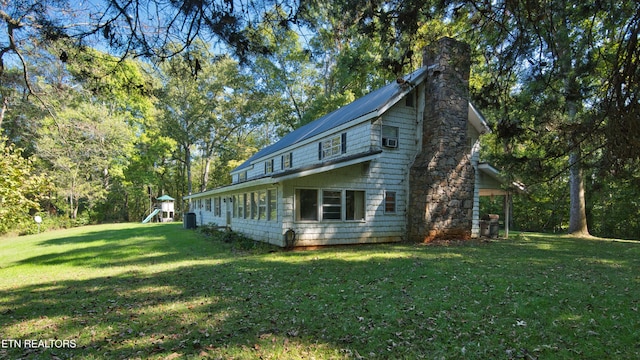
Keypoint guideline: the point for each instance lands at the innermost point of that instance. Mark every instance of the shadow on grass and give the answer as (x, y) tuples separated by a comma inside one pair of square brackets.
[(134, 245), (548, 297)]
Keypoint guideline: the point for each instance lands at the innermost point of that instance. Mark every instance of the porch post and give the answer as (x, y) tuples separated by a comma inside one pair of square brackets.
[(507, 210)]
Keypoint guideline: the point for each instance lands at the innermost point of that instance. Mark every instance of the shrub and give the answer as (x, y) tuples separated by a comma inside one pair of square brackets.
[(238, 241)]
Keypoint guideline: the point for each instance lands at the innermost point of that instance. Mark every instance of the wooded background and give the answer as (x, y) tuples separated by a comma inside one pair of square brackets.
[(109, 103)]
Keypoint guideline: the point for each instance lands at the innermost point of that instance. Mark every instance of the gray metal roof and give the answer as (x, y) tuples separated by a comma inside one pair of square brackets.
[(373, 102)]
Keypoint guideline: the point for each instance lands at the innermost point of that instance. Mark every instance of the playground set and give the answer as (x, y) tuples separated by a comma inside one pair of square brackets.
[(163, 210)]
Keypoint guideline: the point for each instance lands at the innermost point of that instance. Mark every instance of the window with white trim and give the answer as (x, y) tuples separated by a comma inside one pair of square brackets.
[(236, 206), (354, 205), (247, 206), (331, 205), (216, 207), (307, 204), (272, 195), (268, 166), (262, 205), (332, 147), (286, 161), (254, 205)]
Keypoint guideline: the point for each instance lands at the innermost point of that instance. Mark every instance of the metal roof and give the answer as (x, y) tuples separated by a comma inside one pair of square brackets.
[(372, 103)]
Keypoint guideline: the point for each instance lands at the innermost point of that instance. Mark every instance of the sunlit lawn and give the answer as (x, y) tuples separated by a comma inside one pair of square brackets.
[(158, 291)]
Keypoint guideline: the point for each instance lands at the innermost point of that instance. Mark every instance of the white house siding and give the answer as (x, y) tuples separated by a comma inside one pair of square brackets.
[(267, 230), (376, 227), (387, 172), (368, 167), (306, 153)]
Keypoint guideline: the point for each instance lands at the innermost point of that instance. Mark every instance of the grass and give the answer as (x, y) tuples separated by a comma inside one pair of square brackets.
[(158, 291)]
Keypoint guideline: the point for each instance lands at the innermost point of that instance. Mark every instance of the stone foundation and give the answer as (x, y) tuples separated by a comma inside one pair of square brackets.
[(442, 175)]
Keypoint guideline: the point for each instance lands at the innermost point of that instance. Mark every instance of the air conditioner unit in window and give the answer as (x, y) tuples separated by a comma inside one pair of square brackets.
[(390, 143)]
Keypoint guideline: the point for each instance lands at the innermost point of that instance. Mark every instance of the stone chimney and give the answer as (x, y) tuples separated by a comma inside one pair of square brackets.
[(442, 176)]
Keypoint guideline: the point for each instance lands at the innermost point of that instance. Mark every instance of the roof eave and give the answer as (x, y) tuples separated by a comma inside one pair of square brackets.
[(410, 85)]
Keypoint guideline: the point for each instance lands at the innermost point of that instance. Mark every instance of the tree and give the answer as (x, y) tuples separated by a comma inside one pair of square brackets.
[(83, 143), (284, 74), (205, 102), (131, 28), (558, 53), (21, 187), (123, 91)]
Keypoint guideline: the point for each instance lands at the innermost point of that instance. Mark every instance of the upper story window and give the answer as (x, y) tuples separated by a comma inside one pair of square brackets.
[(390, 136), (268, 166), (287, 161), (332, 147), (242, 176)]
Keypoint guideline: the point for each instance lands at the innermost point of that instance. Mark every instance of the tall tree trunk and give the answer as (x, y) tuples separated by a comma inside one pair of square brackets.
[(187, 163), (577, 205), (577, 212), (205, 174), (567, 54)]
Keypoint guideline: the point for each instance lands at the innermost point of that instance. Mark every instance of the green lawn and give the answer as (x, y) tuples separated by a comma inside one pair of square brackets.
[(158, 291)]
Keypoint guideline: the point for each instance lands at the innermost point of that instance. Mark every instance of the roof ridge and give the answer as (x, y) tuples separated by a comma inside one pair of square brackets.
[(371, 102)]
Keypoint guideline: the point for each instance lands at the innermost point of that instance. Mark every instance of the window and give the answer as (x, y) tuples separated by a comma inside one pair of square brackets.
[(307, 204), (235, 206), (287, 161), (242, 176), (354, 204), (254, 205), (332, 147), (207, 204), (272, 196), (335, 205), (216, 207), (268, 166), (390, 202), (389, 136), (247, 206), (262, 205), (331, 205)]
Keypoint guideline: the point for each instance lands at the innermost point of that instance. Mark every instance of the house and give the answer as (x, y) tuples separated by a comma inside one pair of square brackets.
[(400, 163)]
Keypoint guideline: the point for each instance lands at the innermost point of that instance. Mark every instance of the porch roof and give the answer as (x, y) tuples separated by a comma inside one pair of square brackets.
[(278, 177), (492, 182)]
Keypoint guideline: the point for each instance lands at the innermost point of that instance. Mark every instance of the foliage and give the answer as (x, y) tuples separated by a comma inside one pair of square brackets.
[(239, 242), (21, 187), (159, 291), (614, 206), (85, 144), (553, 78)]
